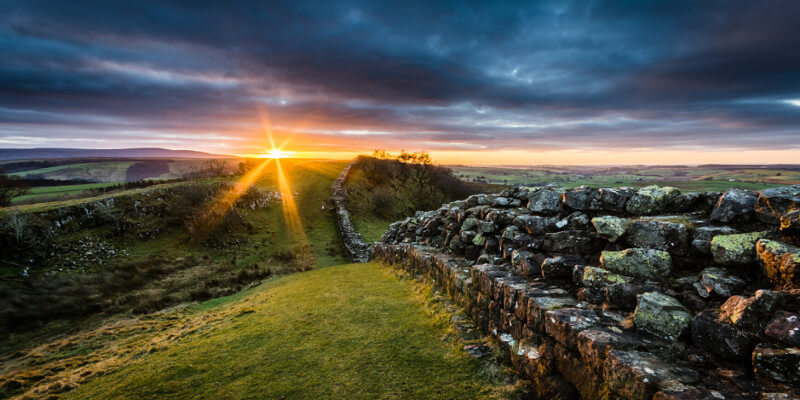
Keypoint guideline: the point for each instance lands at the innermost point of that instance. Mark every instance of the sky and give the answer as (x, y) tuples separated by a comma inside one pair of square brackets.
[(533, 82)]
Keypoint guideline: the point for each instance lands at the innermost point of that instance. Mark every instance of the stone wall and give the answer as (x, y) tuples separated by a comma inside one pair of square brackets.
[(357, 249), (619, 293)]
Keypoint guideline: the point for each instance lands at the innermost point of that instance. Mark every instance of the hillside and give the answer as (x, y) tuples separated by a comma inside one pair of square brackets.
[(144, 152)]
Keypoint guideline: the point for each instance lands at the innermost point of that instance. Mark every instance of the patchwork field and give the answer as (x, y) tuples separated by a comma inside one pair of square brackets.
[(701, 178)]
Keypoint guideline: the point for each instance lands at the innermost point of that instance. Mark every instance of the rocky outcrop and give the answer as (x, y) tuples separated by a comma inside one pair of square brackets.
[(357, 249), (621, 293)]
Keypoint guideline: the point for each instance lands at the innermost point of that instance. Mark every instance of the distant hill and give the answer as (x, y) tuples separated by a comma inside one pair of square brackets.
[(143, 152)]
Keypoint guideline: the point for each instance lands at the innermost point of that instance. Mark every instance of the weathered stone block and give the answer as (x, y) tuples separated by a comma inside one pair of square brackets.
[(720, 338), (670, 236), (538, 306), (536, 225), (661, 315), (575, 242), (735, 205), (652, 200), (614, 199), (780, 261), (777, 365), (564, 324), (773, 203), (583, 198), (785, 327), (645, 263), (609, 227), (634, 375), (598, 278), (703, 235), (595, 343), (576, 221), (751, 312), (738, 249), (545, 201), (559, 267), (717, 281)]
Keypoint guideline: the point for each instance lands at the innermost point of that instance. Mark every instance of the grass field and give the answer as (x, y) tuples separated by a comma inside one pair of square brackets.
[(352, 331), (46, 193)]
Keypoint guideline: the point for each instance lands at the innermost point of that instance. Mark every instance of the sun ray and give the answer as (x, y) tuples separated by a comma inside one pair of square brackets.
[(290, 211)]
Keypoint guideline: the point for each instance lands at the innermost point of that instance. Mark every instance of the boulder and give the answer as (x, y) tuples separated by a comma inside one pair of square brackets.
[(645, 263), (659, 235), (785, 327), (750, 312), (735, 205), (598, 278), (738, 249), (651, 200), (717, 281), (720, 338), (661, 315), (777, 365), (701, 241), (780, 261), (609, 227), (545, 201), (773, 203)]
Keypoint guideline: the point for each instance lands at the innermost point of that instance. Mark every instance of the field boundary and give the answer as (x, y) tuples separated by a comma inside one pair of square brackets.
[(357, 249)]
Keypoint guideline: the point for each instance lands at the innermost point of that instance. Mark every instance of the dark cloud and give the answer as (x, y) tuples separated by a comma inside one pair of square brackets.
[(557, 74)]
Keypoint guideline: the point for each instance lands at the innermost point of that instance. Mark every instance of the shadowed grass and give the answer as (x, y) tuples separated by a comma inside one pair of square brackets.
[(352, 331)]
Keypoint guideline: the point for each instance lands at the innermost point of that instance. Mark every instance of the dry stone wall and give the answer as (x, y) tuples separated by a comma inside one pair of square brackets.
[(621, 293), (357, 249)]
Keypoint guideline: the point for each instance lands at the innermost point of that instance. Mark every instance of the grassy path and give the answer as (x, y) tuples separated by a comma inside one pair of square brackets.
[(354, 331)]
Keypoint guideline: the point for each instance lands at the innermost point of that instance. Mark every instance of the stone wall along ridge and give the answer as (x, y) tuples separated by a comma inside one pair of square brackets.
[(622, 293)]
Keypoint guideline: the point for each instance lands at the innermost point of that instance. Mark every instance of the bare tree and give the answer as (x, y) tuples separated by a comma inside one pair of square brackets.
[(10, 187), (18, 224), (216, 168)]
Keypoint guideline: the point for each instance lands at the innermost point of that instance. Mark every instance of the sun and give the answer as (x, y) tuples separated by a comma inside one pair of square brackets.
[(277, 153)]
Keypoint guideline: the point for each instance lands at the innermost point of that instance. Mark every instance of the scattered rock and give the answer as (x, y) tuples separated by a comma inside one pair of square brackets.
[(609, 227), (738, 249), (780, 261), (735, 204), (645, 263), (785, 327)]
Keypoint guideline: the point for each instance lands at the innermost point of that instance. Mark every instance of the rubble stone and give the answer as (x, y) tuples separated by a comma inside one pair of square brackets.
[(659, 235), (750, 312)]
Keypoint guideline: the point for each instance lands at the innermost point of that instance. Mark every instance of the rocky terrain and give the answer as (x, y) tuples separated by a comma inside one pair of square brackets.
[(357, 248), (624, 293)]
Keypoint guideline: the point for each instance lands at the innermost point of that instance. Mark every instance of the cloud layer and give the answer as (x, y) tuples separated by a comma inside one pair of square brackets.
[(420, 75)]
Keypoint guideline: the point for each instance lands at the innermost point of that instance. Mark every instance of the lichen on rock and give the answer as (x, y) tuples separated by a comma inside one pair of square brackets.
[(737, 249), (645, 263), (661, 315)]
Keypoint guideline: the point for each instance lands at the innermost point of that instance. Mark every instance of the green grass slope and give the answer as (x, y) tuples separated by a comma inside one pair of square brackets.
[(352, 331)]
